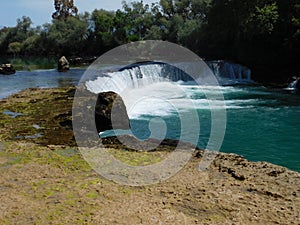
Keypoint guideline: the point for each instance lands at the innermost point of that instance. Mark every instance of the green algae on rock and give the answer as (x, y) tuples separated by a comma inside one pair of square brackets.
[(46, 180)]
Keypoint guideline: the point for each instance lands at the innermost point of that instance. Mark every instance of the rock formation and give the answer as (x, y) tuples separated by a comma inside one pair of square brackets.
[(7, 69), (110, 112), (63, 64), (78, 61)]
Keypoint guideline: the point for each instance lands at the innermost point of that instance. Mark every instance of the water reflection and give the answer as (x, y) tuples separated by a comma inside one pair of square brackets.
[(38, 78)]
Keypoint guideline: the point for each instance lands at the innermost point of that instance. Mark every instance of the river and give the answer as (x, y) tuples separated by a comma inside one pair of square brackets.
[(261, 124)]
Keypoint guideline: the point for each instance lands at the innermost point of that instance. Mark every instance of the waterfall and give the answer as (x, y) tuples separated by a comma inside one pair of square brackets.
[(293, 85), (143, 74), (136, 76), (234, 73)]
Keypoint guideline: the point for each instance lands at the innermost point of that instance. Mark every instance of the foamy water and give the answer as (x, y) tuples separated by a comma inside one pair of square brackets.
[(261, 124)]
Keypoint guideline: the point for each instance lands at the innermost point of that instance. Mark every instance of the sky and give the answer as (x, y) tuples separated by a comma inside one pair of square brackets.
[(40, 11)]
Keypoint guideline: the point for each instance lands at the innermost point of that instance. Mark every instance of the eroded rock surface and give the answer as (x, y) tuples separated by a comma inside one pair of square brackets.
[(46, 180), (63, 64), (110, 112)]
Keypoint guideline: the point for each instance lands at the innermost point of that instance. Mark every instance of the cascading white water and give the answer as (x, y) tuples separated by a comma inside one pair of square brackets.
[(293, 85), (137, 76), (235, 72)]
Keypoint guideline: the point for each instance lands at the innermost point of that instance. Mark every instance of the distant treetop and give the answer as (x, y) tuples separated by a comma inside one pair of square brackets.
[(64, 9)]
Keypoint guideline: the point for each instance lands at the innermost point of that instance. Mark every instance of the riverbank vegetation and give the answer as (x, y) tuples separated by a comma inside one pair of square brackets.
[(262, 34)]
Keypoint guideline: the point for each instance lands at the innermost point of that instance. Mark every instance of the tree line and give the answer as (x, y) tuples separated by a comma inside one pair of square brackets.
[(257, 33)]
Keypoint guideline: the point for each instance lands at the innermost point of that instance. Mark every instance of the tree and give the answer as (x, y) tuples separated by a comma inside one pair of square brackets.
[(167, 8), (262, 21), (15, 48), (103, 29), (11, 39), (139, 20), (65, 37), (22, 30), (31, 45), (24, 24), (296, 21), (4, 32), (64, 9)]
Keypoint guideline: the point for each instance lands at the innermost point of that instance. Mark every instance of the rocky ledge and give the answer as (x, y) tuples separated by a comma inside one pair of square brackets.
[(45, 179), (7, 69)]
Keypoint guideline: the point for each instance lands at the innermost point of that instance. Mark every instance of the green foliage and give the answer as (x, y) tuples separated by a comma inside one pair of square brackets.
[(167, 8), (154, 33), (15, 47), (12, 39), (64, 36), (295, 22), (253, 32), (103, 30), (30, 44), (262, 20), (185, 32), (64, 9), (139, 20), (4, 39)]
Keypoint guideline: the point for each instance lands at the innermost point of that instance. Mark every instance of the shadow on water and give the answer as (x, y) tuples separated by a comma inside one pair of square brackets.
[(30, 63)]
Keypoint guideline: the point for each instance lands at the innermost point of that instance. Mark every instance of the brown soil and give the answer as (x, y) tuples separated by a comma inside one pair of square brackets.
[(46, 181)]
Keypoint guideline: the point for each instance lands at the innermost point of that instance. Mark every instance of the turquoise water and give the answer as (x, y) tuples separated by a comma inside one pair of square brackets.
[(262, 124), (268, 130)]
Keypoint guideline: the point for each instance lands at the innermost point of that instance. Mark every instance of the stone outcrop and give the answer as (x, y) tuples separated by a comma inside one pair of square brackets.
[(78, 61), (63, 64), (7, 69), (110, 112)]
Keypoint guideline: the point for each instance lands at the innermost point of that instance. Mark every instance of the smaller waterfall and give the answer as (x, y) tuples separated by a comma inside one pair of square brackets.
[(294, 85), (232, 72)]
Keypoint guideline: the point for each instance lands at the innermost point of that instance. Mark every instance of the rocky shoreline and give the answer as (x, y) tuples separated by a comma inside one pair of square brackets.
[(45, 179)]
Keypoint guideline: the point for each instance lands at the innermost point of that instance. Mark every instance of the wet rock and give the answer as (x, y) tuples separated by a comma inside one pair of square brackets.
[(236, 175), (7, 69), (77, 61), (110, 112), (276, 173), (65, 120), (63, 64)]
